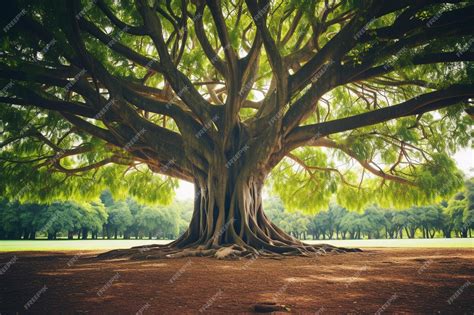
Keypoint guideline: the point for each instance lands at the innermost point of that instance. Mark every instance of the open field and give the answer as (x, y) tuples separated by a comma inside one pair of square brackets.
[(389, 280), (75, 245)]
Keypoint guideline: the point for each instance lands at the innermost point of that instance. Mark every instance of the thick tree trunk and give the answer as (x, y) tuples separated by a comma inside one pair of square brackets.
[(229, 220), (230, 212)]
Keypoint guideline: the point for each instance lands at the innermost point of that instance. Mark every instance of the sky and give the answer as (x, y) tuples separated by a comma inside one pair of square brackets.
[(464, 159)]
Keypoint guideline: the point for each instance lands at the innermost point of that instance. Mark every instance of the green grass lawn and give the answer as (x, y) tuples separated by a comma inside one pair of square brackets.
[(77, 245)]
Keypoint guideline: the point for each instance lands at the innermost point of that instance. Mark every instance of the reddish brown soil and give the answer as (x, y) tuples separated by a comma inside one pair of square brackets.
[(405, 280)]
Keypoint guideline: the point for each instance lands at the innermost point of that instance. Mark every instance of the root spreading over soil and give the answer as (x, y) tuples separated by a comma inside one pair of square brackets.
[(231, 251)]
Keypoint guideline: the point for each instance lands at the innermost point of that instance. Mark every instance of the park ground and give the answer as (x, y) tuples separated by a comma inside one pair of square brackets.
[(389, 280)]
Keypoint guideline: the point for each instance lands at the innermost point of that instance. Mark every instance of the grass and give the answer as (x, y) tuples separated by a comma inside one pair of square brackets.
[(78, 245)]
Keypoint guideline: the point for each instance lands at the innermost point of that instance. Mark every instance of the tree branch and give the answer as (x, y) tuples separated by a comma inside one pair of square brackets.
[(421, 104)]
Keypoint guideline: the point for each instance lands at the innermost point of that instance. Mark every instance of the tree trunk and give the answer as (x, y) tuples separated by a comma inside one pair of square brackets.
[(228, 210), (228, 213), (84, 233), (447, 232)]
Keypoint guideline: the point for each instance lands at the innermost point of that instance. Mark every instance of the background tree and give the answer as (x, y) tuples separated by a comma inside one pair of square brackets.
[(460, 210), (93, 218), (118, 220), (322, 97), (377, 220)]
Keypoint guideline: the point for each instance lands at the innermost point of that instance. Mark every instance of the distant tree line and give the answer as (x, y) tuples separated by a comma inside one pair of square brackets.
[(105, 218), (111, 219), (447, 219)]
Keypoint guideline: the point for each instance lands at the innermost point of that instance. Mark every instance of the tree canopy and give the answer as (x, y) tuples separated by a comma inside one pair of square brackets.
[(358, 98), (91, 84)]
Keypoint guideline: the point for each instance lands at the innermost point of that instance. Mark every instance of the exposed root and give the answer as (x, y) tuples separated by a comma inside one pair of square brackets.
[(269, 307), (230, 252)]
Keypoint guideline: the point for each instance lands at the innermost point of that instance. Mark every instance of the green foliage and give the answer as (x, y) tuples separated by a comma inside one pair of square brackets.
[(415, 149), (106, 216)]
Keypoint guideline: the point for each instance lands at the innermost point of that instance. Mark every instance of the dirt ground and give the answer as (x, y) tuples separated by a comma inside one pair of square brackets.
[(376, 280)]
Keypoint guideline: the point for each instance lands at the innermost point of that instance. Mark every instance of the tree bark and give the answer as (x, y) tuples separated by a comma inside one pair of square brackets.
[(228, 210)]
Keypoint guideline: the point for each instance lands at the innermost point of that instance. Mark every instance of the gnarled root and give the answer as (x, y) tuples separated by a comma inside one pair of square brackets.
[(230, 251)]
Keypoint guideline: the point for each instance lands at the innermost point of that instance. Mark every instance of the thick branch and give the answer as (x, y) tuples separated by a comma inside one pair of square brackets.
[(421, 104)]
